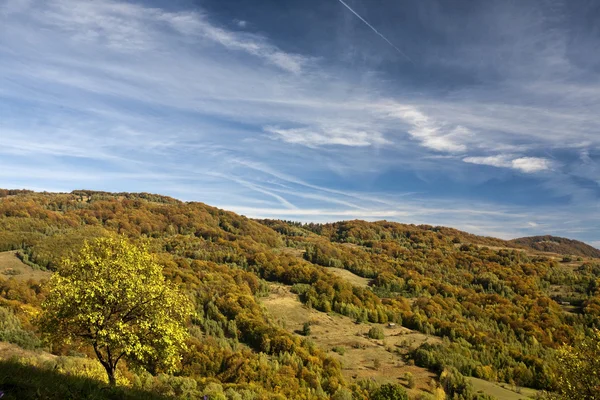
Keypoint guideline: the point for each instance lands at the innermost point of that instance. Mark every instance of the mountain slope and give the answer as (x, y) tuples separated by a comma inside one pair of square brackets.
[(494, 307), (558, 245)]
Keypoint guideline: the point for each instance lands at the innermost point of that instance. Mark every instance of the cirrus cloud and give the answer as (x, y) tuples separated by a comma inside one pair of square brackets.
[(527, 165)]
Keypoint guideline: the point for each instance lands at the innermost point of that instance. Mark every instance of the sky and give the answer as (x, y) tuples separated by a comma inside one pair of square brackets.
[(479, 115)]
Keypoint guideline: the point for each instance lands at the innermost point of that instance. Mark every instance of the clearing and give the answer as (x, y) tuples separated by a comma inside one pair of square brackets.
[(503, 391), (349, 276), (356, 352), (12, 267)]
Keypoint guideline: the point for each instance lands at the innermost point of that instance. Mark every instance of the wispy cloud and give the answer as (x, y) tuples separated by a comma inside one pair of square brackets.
[(133, 96), (523, 164), (432, 134), (322, 136)]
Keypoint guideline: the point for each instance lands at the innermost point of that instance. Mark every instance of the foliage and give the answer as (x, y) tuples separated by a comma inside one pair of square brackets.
[(558, 245), (496, 307), (578, 372), (456, 386), (389, 391), (306, 329), (113, 296), (11, 330), (410, 380), (376, 332)]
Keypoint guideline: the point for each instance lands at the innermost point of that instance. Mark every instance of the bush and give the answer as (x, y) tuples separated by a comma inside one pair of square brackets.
[(306, 329), (389, 391), (342, 394), (376, 332), (410, 380), (341, 350), (12, 331)]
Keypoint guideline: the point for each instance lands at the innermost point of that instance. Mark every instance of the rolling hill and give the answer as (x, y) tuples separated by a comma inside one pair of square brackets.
[(450, 310), (560, 245)]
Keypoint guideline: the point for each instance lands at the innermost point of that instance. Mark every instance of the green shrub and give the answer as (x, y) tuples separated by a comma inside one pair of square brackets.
[(376, 332), (305, 329), (410, 380), (389, 391), (12, 331)]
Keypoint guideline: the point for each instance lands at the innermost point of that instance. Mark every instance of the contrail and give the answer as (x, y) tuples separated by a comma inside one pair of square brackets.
[(376, 31)]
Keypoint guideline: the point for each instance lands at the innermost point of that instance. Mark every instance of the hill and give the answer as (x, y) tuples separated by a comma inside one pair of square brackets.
[(560, 245), (488, 308)]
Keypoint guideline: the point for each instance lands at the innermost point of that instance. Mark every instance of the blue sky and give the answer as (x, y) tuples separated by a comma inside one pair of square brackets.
[(481, 115)]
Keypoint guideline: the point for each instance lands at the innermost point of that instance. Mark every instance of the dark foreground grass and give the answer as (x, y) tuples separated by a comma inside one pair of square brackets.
[(24, 382)]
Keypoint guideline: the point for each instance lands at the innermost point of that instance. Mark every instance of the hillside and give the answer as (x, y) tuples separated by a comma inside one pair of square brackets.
[(459, 304), (554, 244)]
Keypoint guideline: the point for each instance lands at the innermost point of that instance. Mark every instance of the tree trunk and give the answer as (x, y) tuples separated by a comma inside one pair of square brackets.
[(108, 365), (111, 375)]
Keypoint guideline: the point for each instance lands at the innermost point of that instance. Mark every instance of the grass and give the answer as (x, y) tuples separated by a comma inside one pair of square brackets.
[(335, 332), (12, 267), (502, 391), (19, 381), (358, 353), (349, 276)]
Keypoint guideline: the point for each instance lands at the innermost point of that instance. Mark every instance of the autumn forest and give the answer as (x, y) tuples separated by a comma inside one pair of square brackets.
[(515, 314)]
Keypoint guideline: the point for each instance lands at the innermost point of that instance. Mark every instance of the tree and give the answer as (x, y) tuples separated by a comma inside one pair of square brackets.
[(114, 297), (389, 391), (306, 329), (410, 380), (376, 333), (577, 370)]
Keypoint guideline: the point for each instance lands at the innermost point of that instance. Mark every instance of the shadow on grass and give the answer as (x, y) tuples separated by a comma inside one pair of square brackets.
[(18, 381)]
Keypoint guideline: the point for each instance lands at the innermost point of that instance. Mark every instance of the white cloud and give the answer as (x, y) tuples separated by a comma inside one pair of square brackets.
[(524, 164), (254, 45), (494, 161), (148, 94), (127, 27), (323, 136), (430, 133), (241, 23), (531, 164)]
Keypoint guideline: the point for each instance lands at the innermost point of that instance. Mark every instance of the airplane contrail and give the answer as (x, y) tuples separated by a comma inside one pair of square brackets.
[(376, 31)]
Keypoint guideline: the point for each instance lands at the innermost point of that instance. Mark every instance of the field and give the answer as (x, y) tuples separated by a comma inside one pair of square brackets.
[(348, 342), (12, 266), (349, 276), (502, 391), (360, 353)]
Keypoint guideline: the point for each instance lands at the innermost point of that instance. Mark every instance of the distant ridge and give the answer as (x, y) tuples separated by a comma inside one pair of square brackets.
[(558, 245)]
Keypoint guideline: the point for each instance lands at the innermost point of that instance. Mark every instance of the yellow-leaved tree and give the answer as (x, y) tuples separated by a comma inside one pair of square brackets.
[(578, 370), (114, 297)]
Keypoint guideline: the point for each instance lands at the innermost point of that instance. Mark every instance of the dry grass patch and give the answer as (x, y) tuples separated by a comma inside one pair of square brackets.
[(349, 276), (12, 266), (502, 390), (361, 357), (9, 350)]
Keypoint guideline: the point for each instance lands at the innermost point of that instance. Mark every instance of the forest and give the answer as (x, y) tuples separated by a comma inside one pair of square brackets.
[(504, 311)]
